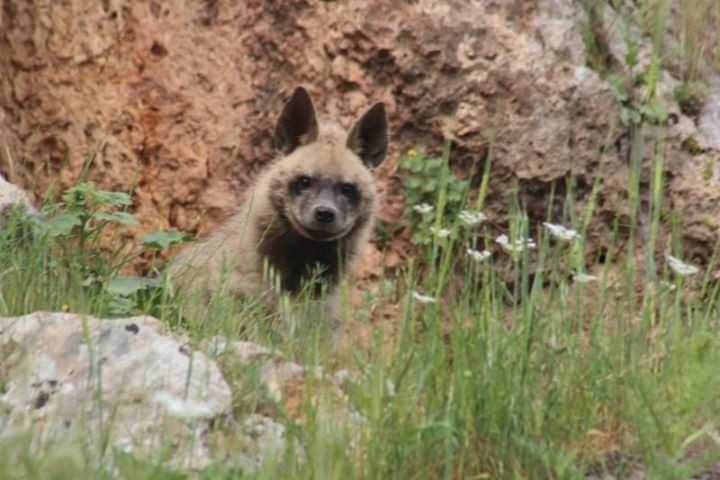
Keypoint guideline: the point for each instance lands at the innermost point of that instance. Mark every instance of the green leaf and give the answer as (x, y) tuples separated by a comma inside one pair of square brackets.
[(618, 87), (435, 164), (413, 182), (112, 199), (63, 223), (454, 195), (120, 306), (655, 113), (163, 239), (77, 195), (126, 285), (430, 186), (421, 238), (120, 217)]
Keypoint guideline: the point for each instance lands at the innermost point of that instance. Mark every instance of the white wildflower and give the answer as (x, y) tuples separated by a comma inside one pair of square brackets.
[(180, 408), (478, 256), (584, 278), (423, 208), (560, 232), (440, 232), (681, 268), (470, 218), (517, 246), (423, 298), (503, 240), (389, 388)]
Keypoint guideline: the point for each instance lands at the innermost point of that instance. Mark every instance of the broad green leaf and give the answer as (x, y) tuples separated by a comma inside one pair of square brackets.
[(63, 223), (120, 217), (430, 186), (78, 194), (120, 306), (163, 239), (112, 199), (126, 285), (434, 164), (413, 182)]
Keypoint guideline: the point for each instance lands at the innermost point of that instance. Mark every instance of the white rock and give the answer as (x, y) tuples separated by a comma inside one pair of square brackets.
[(264, 441), (11, 196), (74, 375), (709, 119)]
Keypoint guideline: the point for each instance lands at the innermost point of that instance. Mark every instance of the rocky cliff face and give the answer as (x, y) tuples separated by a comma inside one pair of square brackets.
[(175, 100)]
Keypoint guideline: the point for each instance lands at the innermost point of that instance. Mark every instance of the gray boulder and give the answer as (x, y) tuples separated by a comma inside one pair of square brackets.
[(11, 197), (72, 378)]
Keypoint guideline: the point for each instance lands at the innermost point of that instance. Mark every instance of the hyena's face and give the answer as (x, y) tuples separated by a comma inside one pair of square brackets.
[(323, 207), (326, 186), (327, 191)]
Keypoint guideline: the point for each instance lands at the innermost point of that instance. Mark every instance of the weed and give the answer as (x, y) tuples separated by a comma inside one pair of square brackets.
[(58, 259), (424, 205)]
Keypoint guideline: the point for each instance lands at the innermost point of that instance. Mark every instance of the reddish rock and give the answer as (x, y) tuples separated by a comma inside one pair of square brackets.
[(175, 101)]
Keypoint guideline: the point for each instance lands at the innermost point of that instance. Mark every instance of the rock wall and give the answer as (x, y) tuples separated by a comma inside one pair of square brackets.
[(174, 100)]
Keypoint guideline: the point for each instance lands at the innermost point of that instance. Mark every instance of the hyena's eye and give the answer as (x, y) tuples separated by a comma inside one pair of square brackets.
[(350, 191), (302, 182)]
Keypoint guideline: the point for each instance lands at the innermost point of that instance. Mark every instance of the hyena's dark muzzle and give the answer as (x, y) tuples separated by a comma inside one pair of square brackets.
[(324, 209), (325, 214)]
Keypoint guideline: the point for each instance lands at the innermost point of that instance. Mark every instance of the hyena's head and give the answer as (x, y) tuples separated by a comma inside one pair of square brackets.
[(323, 184)]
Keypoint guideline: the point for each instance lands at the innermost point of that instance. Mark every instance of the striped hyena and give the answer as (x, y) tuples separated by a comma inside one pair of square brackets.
[(307, 216)]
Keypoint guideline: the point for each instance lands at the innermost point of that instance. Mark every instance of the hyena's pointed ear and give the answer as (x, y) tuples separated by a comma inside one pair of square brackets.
[(297, 124), (368, 137)]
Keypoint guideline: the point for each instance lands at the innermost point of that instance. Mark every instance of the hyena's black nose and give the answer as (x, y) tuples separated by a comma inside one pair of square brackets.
[(324, 214)]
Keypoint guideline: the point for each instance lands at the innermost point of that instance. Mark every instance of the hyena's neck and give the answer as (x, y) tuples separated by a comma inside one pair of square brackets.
[(296, 259)]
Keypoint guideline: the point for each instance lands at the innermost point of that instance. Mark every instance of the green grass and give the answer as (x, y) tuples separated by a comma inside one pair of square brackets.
[(515, 371)]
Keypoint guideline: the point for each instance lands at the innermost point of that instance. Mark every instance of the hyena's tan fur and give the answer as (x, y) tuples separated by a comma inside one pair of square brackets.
[(308, 214)]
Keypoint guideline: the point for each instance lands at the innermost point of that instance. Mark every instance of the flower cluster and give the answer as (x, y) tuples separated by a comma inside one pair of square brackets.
[(561, 233), (423, 298), (681, 268), (423, 208), (470, 218), (440, 232), (519, 245), (584, 278), (477, 255)]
